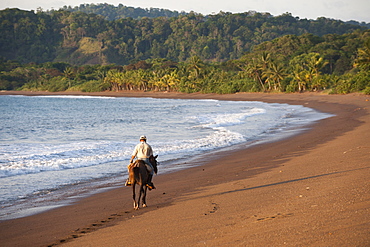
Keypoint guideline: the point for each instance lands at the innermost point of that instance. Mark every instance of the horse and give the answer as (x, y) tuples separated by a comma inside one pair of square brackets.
[(139, 175)]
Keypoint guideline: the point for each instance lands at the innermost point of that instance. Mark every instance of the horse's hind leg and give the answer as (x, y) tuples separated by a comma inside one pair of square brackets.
[(144, 197), (136, 204), (141, 195)]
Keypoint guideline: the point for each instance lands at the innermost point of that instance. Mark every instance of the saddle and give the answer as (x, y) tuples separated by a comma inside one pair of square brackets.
[(136, 163)]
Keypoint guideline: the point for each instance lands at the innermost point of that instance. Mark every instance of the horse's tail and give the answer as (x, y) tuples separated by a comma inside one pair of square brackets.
[(136, 175), (132, 174)]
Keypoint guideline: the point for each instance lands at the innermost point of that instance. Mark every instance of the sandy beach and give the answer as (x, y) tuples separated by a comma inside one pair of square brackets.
[(308, 190)]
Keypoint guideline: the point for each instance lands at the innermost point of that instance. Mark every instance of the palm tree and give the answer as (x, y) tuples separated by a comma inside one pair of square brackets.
[(300, 77), (253, 70), (115, 79), (170, 80), (265, 64), (315, 63), (195, 64), (274, 74), (306, 70), (363, 55), (142, 80), (68, 74)]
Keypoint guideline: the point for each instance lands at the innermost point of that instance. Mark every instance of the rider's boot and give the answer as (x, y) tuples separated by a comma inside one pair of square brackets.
[(128, 182), (150, 185)]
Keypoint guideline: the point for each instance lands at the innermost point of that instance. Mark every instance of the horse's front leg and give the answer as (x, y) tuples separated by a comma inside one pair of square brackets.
[(144, 197), (136, 204)]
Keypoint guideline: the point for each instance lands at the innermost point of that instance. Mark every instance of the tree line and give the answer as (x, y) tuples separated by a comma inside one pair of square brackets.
[(111, 12)]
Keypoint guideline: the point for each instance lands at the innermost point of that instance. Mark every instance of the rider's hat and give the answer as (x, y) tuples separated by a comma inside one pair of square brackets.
[(142, 137)]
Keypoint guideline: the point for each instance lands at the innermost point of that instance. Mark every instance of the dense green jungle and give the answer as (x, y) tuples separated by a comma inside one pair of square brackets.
[(100, 47)]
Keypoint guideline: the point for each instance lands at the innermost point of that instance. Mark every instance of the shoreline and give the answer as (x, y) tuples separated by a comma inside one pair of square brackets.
[(175, 190)]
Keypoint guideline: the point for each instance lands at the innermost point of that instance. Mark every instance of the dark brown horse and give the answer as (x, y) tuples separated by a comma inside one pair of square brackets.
[(140, 175)]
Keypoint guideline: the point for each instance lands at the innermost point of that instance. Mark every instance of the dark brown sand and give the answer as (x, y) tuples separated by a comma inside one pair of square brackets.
[(308, 190)]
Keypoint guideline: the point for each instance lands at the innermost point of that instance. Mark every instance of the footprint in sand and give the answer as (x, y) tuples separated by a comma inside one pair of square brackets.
[(279, 215)]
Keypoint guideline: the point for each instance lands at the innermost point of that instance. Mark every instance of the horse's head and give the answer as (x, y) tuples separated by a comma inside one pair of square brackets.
[(154, 162)]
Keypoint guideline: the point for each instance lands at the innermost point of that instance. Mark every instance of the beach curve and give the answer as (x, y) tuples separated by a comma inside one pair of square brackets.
[(311, 189)]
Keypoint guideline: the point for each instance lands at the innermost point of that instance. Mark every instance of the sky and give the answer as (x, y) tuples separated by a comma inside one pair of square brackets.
[(345, 10)]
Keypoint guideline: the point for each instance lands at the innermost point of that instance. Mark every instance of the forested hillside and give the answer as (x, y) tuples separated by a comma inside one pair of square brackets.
[(79, 38), (111, 12), (223, 53)]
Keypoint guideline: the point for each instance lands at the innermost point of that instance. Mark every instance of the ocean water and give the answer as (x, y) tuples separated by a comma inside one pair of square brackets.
[(57, 148)]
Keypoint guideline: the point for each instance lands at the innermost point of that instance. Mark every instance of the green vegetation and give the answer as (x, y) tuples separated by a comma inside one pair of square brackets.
[(111, 12), (224, 53)]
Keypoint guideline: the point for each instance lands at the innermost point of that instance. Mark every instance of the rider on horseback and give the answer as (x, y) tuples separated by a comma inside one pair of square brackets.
[(143, 151)]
